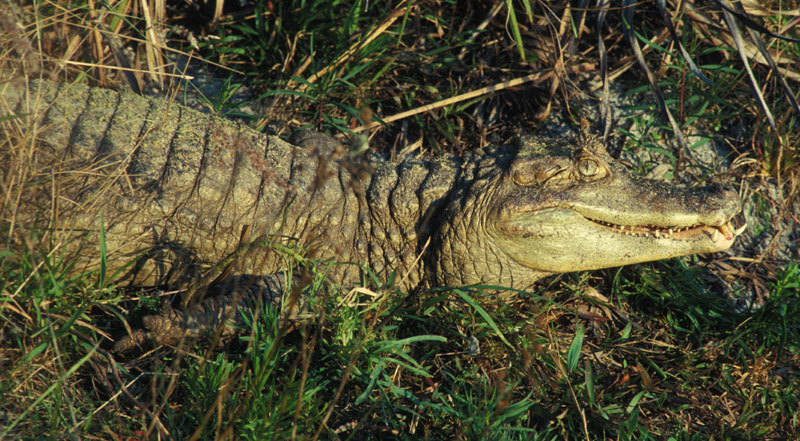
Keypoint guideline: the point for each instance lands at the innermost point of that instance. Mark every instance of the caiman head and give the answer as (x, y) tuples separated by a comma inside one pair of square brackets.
[(562, 206)]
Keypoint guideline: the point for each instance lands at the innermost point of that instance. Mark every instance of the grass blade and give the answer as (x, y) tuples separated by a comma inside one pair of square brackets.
[(101, 279), (512, 17), (574, 353), (765, 53), (635, 401), (674, 34), (605, 101), (49, 390), (637, 51), (752, 24), (483, 314), (737, 39)]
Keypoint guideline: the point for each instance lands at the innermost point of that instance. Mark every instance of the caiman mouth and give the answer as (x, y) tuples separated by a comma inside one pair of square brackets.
[(674, 232), (562, 239)]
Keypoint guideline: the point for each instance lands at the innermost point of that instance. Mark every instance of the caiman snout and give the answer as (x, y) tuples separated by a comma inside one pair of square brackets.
[(729, 201), (723, 218), (723, 205)]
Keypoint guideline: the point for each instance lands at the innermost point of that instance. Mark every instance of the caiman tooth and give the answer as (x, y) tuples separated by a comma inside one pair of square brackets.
[(740, 230)]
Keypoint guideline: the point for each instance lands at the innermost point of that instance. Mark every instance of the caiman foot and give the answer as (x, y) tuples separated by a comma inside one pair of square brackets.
[(220, 314)]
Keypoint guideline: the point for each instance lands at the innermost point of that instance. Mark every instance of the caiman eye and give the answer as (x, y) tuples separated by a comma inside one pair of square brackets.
[(588, 167)]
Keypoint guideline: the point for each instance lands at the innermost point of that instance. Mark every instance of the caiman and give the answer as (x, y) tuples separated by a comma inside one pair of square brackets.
[(176, 192)]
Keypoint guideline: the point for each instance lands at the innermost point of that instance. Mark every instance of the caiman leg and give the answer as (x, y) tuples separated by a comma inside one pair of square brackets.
[(215, 316)]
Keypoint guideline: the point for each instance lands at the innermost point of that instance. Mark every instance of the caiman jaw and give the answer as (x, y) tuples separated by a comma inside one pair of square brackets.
[(726, 230), (560, 239)]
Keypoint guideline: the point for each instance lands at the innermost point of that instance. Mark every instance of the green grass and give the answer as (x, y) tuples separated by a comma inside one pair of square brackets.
[(661, 350), (654, 351)]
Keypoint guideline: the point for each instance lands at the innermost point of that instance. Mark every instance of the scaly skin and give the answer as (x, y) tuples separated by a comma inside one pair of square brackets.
[(177, 188)]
